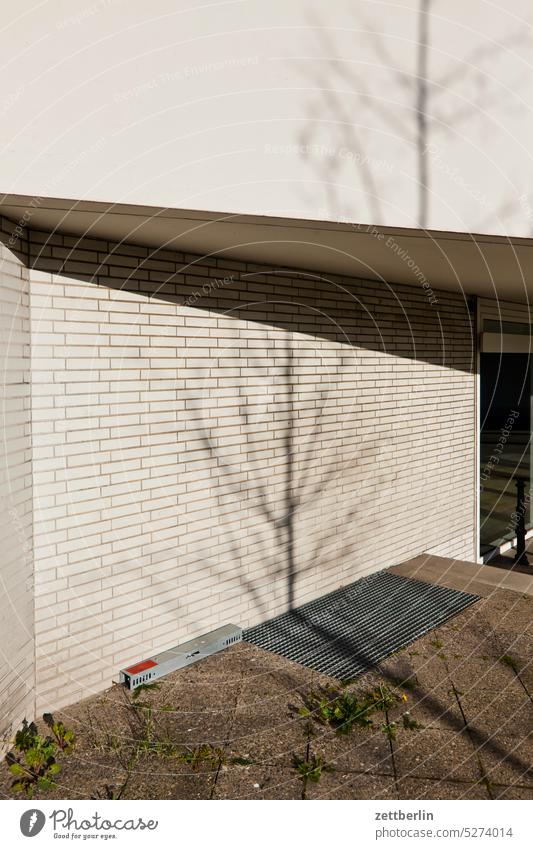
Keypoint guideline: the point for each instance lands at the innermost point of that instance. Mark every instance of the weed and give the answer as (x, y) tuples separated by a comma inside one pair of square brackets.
[(241, 761), (309, 768), (438, 644), (143, 722), (144, 688), (113, 742), (144, 714), (390, 728), (164, 748), (35, 766), (409, 722), (64, 737), (205, 754), (147, 742), (383, 698), (342, 710)]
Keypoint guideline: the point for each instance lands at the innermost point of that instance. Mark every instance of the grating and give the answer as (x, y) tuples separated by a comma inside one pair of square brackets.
[(348, 631)]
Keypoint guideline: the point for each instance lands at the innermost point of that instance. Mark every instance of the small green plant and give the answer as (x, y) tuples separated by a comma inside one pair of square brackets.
[(239, 761), (343, 710), (164, 748), (64, 737), (147, 737), (310, 768), (144, 714), (147, 742), (144, 688), (384, 698), (33, 762), (390, 728), (113, 743), (143, 719), (409, 722), (339, 710), (205, 754), (438, 644)]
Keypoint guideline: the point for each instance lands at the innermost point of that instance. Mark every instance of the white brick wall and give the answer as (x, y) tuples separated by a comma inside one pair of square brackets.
[(16, 559), (178, 420), (176, 427)]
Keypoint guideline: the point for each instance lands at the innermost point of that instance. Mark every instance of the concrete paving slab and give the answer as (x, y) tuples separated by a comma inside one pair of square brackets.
[(426, 789), (464, 575), (360, 751), (432, 753), (258, 782), (339, 785)]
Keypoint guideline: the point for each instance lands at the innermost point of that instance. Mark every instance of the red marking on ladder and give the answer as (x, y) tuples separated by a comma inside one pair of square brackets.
[(140, 667)]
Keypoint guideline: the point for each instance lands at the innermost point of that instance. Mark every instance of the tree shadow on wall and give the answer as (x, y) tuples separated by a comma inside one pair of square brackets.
[(386, 93), (296, 481)]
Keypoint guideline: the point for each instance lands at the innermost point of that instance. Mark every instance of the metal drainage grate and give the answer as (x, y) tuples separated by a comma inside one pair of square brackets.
[(351, 629)]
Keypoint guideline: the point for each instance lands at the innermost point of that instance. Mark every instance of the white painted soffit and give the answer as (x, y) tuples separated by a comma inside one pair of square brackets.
[(490, 266)]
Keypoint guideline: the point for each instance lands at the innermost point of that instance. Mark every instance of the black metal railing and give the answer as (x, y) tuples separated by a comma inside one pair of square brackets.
[(521, 554)]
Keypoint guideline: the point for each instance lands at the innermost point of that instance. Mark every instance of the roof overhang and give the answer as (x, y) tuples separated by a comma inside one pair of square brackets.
[(490, 266)]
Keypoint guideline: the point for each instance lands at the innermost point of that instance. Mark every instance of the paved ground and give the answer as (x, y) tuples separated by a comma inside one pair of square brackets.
[(506, 560), (229, 727)]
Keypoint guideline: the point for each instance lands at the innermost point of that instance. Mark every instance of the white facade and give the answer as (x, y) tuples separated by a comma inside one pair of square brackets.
[(296, 109), (17, 648), (214, 440)]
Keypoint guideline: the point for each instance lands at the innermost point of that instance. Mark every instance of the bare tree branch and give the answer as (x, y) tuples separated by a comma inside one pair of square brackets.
[(422, 113)]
